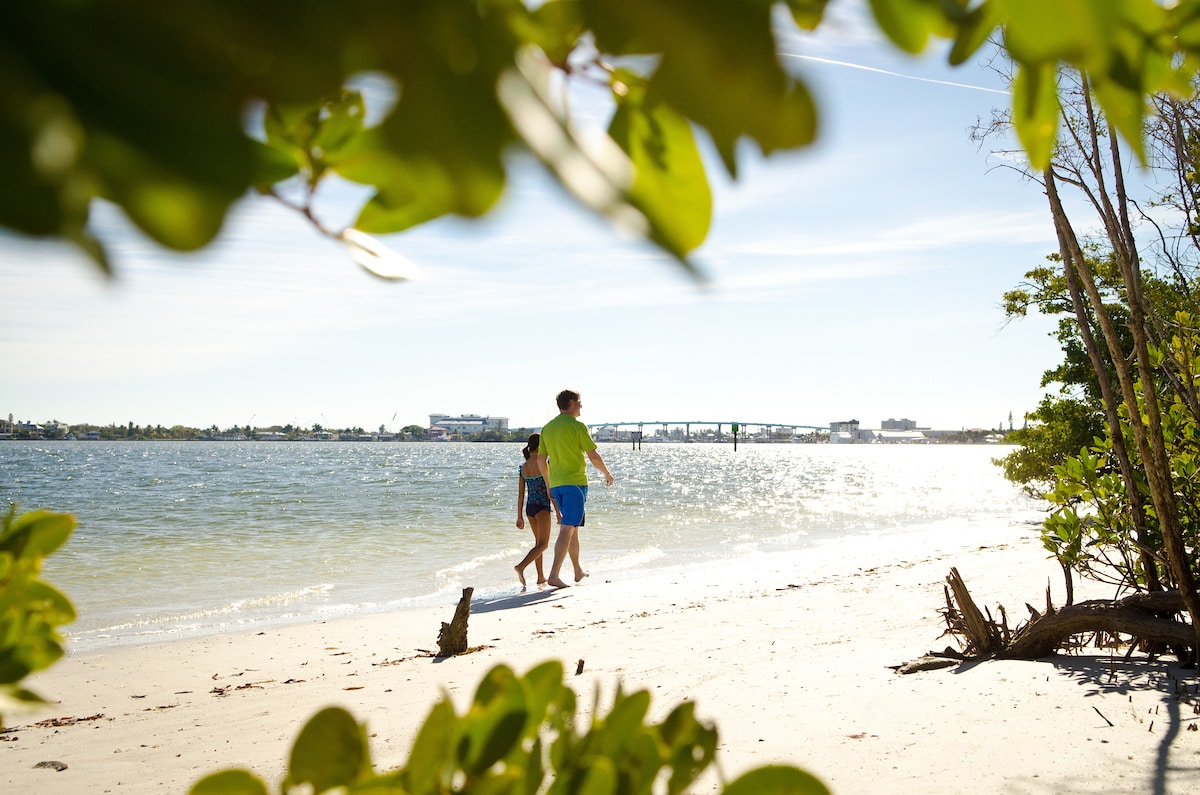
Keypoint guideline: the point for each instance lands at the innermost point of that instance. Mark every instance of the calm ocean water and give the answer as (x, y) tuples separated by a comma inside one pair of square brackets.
[(186, 538)]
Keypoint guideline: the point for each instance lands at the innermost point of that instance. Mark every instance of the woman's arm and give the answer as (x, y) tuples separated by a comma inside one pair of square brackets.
[(521, 500)]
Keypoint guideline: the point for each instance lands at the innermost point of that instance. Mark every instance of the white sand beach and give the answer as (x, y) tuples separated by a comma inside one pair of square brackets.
[(789, 658)]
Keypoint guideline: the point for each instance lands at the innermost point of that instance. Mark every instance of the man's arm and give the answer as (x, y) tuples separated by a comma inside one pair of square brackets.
[(598, 462)]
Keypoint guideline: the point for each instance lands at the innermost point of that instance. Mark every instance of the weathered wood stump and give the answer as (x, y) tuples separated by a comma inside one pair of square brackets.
[(452, 638)]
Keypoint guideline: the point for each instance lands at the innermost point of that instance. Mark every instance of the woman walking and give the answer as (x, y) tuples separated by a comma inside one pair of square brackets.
[(533, 502)]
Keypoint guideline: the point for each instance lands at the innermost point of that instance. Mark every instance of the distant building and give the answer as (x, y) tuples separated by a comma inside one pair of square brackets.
[(30, 430), (895, 437), (898, 425), (611, 433), (467, 424), (843, 432)]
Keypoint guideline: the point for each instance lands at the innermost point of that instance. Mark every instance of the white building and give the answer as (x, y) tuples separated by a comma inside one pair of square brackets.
[(611, 433), (468, 424)]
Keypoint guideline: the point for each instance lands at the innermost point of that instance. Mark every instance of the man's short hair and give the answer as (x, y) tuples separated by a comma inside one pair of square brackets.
[(564, 399)]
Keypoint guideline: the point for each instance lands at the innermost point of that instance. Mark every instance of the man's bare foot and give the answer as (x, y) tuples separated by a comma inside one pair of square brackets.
[(555, 582), (520, 574), (579, 575)]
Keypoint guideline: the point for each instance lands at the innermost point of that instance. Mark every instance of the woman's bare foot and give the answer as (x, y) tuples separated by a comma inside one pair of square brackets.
[(555, 582), (520, 574), (579, 575), (542, 581)]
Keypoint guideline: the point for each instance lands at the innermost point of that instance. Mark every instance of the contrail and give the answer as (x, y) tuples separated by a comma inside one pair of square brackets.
[(894, 74)]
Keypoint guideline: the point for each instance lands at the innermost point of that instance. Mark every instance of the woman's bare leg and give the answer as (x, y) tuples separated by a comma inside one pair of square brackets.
[(541, 539), (540, 525)]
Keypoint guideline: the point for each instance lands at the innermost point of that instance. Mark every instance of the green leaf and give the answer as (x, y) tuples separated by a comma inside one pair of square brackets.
[(718, 68), (340, 121), (1125, 109), (535, 770), (807, 13), (693, 745), (17, 698), (229, 782), (555, 26), (447, 131), (37, 533), (599, 177), (776, 780), (331, 751), (908, 23), (1038, 33), (623, 722), (543, 687), (973, 31), (431, 758), (54, 608), (291, 126), (163, 202), (1035, 112), (670, 187), (599, 778), (494, 724), (496, 684), (273, 165)]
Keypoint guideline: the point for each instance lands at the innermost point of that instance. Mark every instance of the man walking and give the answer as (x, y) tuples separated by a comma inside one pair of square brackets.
[(564, 443)]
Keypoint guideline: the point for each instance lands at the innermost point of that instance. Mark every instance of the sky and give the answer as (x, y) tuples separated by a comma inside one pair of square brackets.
[(861, 278)]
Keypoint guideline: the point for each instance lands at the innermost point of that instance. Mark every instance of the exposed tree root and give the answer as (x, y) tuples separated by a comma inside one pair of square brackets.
[(1149, 619)]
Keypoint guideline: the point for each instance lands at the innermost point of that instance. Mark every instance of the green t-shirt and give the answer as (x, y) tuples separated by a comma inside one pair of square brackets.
[(564, 441)]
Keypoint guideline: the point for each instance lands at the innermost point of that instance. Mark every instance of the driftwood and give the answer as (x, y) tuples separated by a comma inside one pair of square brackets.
[(1147, 618), (452, 638), (931, 661)]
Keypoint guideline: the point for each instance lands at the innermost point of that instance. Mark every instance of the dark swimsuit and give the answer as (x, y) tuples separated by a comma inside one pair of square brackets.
[(537, 499)]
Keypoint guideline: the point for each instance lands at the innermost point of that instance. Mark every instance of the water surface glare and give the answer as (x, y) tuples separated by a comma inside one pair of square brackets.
[(180, 538)]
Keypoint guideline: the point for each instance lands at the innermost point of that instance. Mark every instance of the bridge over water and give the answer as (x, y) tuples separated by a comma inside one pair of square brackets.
[(719, 428)]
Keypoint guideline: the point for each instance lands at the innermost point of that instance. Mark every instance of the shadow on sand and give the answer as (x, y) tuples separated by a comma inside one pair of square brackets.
[(511, 601), (1176, 686)]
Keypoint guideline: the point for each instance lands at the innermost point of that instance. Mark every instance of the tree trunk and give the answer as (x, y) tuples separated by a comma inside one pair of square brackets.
[(1075, 271)]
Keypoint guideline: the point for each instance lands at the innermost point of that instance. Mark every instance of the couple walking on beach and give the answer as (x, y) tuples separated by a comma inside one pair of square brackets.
[(555, 475)]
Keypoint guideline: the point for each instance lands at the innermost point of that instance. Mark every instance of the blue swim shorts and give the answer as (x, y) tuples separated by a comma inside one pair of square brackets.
[(570, 501)]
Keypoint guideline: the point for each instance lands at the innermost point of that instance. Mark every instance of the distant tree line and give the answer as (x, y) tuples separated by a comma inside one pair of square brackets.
[(289, 432)]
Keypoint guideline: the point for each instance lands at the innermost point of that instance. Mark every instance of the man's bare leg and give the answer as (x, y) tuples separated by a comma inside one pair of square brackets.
[(574, 551), (562, 548)]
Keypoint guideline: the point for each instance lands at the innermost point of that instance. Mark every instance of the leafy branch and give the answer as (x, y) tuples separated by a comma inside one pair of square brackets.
[(518, 735)]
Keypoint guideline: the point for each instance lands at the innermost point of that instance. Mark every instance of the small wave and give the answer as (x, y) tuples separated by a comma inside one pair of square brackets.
[(203, 616), (632, 560), (473, 563)]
